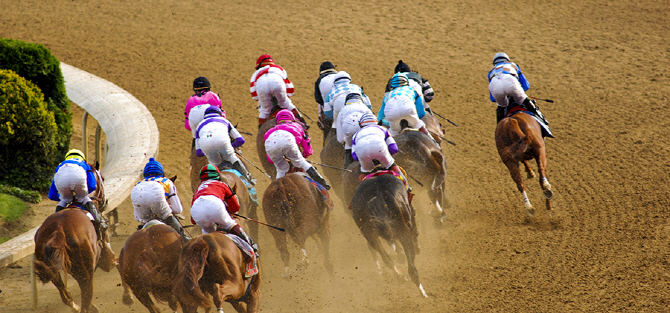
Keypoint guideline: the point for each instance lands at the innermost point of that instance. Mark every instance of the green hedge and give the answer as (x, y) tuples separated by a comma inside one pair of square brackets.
[(25, 195), (35, 63), (27, 134)]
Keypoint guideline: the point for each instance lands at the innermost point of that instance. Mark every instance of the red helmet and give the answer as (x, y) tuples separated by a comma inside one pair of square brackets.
[(264, 60)]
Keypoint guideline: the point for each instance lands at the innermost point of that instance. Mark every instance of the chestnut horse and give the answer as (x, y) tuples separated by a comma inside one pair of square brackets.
[(212, 264), (381, 210), (67, 242), (148, 264), (519, 139), (292, 202)]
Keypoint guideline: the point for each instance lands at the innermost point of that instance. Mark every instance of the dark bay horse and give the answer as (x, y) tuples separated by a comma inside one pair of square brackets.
[(519, 139), (333, 154), (148, 264), (260, 147), (424, 161), (381, 210), (212, 264), (67, 242), (295, 204)]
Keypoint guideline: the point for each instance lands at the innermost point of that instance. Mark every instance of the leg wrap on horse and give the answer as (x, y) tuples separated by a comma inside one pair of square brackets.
[(172, 221), (318, 178), (243, 170)]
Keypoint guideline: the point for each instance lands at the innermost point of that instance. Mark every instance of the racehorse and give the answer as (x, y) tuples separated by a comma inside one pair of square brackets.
[(424, 162), (148, 264), (434, 127), (333, 154), (381, 210), (212, 264), (292, 202), (67, 242), (519, 139)]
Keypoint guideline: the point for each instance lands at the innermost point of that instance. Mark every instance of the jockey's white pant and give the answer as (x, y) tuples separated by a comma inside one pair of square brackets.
[(282, 143), (149, 201), (401, 108), (70, 181), (217, 147), (209, 211), (270, 85), (338, 103), (373, 148), (195, 116), (506, 85), (348, 127)]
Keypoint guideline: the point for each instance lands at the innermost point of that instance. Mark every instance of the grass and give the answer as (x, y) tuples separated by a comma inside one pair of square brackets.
[(11, 208)]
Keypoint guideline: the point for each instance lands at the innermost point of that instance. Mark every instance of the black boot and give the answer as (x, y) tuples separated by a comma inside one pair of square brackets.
[(500, 114), (243, 170), (318, 178), (532, 106), (172, 221), (297, 115), (59, 208), (239, 232), (99, 222), (348, 158)]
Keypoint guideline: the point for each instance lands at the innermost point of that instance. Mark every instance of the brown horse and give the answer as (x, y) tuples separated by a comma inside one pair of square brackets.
[(212, 264), (519, 139), (260, 147), (148, 265), (67, 242), (434, 127), (333, 154), (292, 202), (381, 210), (424, 162)]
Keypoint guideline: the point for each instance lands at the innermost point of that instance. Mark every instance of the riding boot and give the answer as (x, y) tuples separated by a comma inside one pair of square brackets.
[(318, 178), (348, 158), (239, 232), (243, 170), (99, 222), (59, 208), (424, 130), (297, 114), (397, 169), (500, 114), (532, 106), (172, 221)]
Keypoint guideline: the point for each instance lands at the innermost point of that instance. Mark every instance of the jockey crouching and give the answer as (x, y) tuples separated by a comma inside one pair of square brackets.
[(348, 122), (196, 105), (74, 179), (373, 142), (288, 139), (335, 99), (156, 196), (213, 140), (269, 81), (323, 85), (416, 81), (213, 203), (403, 103)]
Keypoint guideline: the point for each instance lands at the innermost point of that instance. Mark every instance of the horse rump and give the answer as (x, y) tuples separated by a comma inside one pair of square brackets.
[(55, 257), (191, 268)]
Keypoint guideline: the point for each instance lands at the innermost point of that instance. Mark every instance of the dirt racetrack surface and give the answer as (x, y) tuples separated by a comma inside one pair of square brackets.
[(603, 249)]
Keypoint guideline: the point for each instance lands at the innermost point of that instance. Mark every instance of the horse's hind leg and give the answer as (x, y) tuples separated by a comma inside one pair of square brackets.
[(529, 170), (145, 299), (86, 287), (280, 242), (408, 245), (542, 168), (65, 295), (515, 172), (436, 195), (324, 235)]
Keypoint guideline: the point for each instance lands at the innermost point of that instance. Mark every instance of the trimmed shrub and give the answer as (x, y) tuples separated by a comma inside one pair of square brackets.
[(35, 63), (27, 134), (25, 195)]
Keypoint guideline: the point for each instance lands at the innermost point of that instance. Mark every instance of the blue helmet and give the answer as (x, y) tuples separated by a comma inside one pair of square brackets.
[(213, 111), (399, 79), (153, 168)]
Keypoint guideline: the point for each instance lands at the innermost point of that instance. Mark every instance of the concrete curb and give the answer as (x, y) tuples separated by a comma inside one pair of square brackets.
[(132, 137)]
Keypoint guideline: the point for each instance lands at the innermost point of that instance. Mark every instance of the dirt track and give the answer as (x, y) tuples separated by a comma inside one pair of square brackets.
[(604, 249)]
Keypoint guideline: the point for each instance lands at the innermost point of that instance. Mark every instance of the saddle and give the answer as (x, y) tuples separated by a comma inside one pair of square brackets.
[(79, 206), (516, 108)]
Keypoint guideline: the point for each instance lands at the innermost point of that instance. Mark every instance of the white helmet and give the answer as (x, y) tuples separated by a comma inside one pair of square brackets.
[(499, 57), (341, 75)]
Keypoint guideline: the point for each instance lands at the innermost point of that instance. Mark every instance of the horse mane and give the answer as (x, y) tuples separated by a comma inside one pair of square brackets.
[(193, 260), (55, 257)]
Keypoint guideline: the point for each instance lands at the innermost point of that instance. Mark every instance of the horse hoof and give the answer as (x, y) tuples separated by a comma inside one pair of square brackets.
[(548, 194), (300, 267), (423, 292), (530, 211), (286, 273), (128, 300), (75, 308), (93, 309)]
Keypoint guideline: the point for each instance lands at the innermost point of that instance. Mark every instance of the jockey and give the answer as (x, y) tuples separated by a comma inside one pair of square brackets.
[(269, 81), (213, 203), (417, 82), (198, 103), (373, 142), (322, 86), (506, 81), (156, 196), (289, 140), (348, 123), (335, 99), (74, 178), (403, 103), (213, 139)]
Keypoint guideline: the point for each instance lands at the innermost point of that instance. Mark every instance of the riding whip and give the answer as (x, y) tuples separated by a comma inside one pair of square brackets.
[(305, 115), (259, 222), (240, 155), (246, 133), (452, 123), (445, 139), (546, 100), (337, 168)]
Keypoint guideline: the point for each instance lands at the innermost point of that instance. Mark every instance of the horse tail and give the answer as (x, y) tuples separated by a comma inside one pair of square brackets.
[(440, 164), (55, 257), (186, 287), (379, 218), (516, 135)]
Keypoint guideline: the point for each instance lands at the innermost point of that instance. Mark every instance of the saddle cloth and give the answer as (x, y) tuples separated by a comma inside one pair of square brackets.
[(253, 195), (249, 255), (77, 206), (382, 172), (546, 132), (325, 196)]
